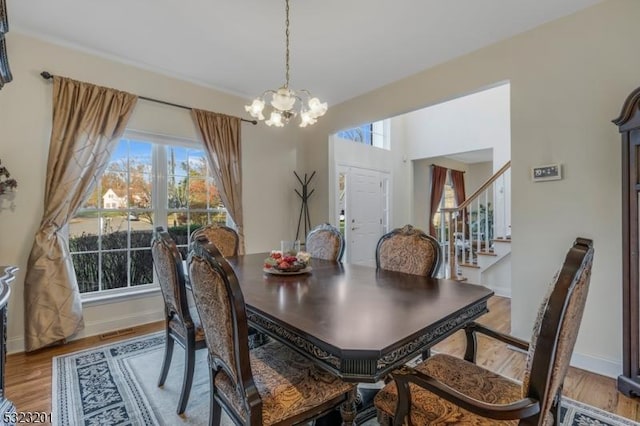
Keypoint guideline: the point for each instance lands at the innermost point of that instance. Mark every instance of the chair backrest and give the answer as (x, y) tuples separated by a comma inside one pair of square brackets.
[(221, 308), (325, 242), (225, 239), (408, 250), (168, 264), (556, 328)]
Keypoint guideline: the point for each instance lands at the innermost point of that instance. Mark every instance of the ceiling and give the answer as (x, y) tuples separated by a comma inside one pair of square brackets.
[(339, 48), (472, 157)]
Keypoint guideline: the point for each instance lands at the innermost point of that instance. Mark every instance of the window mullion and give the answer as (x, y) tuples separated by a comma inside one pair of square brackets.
[(160, 189)]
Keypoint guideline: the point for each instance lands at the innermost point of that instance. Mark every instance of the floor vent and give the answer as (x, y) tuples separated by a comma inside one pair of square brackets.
[(112, 334)]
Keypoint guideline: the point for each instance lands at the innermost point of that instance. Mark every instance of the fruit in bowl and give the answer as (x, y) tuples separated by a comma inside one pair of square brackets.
[(287, 262)]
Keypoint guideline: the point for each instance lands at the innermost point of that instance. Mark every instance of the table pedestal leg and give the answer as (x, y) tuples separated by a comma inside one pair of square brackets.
[(348, 408)]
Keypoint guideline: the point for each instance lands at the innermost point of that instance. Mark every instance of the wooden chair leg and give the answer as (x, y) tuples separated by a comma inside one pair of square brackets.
[(189, 366), (166, 363), (215, 411)]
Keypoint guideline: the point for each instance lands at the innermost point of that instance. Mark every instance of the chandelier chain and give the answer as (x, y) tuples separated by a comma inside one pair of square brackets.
[(287, 43)]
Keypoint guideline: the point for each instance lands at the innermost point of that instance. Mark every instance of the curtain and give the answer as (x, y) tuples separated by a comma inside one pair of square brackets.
[(87, 121), (221, 137), (438, 179), (457, 181)]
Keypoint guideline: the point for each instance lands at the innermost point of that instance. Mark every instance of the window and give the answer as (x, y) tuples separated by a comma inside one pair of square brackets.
[(447, 201), (374, 134), (150, 181)]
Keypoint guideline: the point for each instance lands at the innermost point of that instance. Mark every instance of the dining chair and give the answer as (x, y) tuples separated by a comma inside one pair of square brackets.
[(409, 250), (225, 239), (326, 242), (182, 323), (269, 385), (448, 390)]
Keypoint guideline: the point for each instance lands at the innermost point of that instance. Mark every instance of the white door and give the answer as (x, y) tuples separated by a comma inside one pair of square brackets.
[(364, 218)]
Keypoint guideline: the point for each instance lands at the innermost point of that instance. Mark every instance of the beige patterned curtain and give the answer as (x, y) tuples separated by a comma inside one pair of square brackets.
[(87, 121), (221, 137)]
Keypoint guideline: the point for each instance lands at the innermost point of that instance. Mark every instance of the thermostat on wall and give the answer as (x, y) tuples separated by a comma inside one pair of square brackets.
[(550, 172)]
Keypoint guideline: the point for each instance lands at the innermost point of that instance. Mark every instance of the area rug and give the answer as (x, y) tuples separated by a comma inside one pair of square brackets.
[(116, 384)]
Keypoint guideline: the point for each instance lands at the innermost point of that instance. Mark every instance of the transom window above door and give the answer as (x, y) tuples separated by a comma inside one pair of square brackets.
[(150, 181)]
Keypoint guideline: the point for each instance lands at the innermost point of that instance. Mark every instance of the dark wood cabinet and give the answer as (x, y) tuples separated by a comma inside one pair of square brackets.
[(8, 275), (629, 125)]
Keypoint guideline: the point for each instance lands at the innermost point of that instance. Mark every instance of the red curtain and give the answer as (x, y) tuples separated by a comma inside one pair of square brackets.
[(438, 179)]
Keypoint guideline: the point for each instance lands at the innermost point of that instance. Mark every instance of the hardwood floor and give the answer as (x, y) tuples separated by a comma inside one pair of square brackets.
[(28, 377)]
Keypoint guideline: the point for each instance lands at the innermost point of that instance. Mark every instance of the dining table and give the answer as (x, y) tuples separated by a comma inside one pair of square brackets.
[(357, 322)]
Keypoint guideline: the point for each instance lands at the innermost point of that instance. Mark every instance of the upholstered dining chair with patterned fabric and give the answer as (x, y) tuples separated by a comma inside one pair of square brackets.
[(325, 242), (182, 321), (447, 390), (270, 385), (409, 250), (225, 239)]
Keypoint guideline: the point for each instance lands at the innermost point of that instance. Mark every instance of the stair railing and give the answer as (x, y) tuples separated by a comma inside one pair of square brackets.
[(474, 224)]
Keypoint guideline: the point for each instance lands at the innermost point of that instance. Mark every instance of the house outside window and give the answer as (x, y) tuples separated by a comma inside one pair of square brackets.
[(150, 181)]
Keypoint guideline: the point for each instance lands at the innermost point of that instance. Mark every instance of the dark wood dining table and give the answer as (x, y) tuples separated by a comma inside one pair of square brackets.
[(355, 321)]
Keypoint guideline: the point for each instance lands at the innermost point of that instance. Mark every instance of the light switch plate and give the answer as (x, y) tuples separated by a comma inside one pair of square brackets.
[(548, 172)]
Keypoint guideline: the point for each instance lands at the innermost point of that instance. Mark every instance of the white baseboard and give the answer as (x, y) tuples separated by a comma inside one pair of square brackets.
[(605, 367), (502, 291), (93, 328)]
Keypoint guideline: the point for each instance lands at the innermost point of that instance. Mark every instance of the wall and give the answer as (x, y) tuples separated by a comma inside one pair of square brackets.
[(477, 121), (269, 158), (568, 80)]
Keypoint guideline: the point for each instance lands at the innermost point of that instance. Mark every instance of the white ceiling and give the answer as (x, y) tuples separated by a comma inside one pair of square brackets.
[(339, 48)]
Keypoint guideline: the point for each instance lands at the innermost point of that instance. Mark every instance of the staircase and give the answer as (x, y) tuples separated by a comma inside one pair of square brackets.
[(481, 235)]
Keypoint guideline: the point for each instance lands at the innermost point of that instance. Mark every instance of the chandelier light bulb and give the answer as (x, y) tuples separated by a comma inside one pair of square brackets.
[(285, 103), (275, 119), (255, 109)]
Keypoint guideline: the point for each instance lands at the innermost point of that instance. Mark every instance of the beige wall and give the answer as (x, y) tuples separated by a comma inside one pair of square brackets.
[(269, 158), (568, 80)]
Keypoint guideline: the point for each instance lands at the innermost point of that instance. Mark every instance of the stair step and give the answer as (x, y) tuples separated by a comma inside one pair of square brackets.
[(502, 240), (470, 265), (460, 279), (486, 253)]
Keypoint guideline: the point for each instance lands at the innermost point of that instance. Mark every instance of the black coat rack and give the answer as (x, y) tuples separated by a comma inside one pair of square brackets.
[(304, 207)]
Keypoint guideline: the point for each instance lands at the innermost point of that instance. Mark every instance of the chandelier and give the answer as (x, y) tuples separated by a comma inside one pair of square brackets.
[(286, 103)]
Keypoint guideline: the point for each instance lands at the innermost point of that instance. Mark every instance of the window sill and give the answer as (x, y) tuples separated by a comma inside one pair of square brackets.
[(121, 296)]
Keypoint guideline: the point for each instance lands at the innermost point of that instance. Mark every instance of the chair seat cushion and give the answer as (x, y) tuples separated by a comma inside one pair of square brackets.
[(468, 378), (178, 328), (288, 383)]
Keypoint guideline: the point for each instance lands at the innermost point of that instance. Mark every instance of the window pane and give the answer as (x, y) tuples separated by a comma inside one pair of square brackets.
[(114, 190), (94, 201), (141, 231), (114, 269), (197, 164), (214, 194), (141, 267), (197, 193), (177, 192), (115, 232), (83, 232), (140, 190), (179, 231), (176, 161), (86, 268)]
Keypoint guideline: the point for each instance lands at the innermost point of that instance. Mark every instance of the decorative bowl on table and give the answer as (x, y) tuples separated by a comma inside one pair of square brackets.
[(279, 263)]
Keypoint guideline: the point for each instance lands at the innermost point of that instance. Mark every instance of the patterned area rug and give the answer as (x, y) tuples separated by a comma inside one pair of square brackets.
[(116, 384)]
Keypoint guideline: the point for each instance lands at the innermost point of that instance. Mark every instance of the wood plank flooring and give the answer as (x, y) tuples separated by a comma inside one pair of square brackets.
[(28, 376)]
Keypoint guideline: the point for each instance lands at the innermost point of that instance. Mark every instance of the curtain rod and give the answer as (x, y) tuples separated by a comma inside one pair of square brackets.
[(47, 76)]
